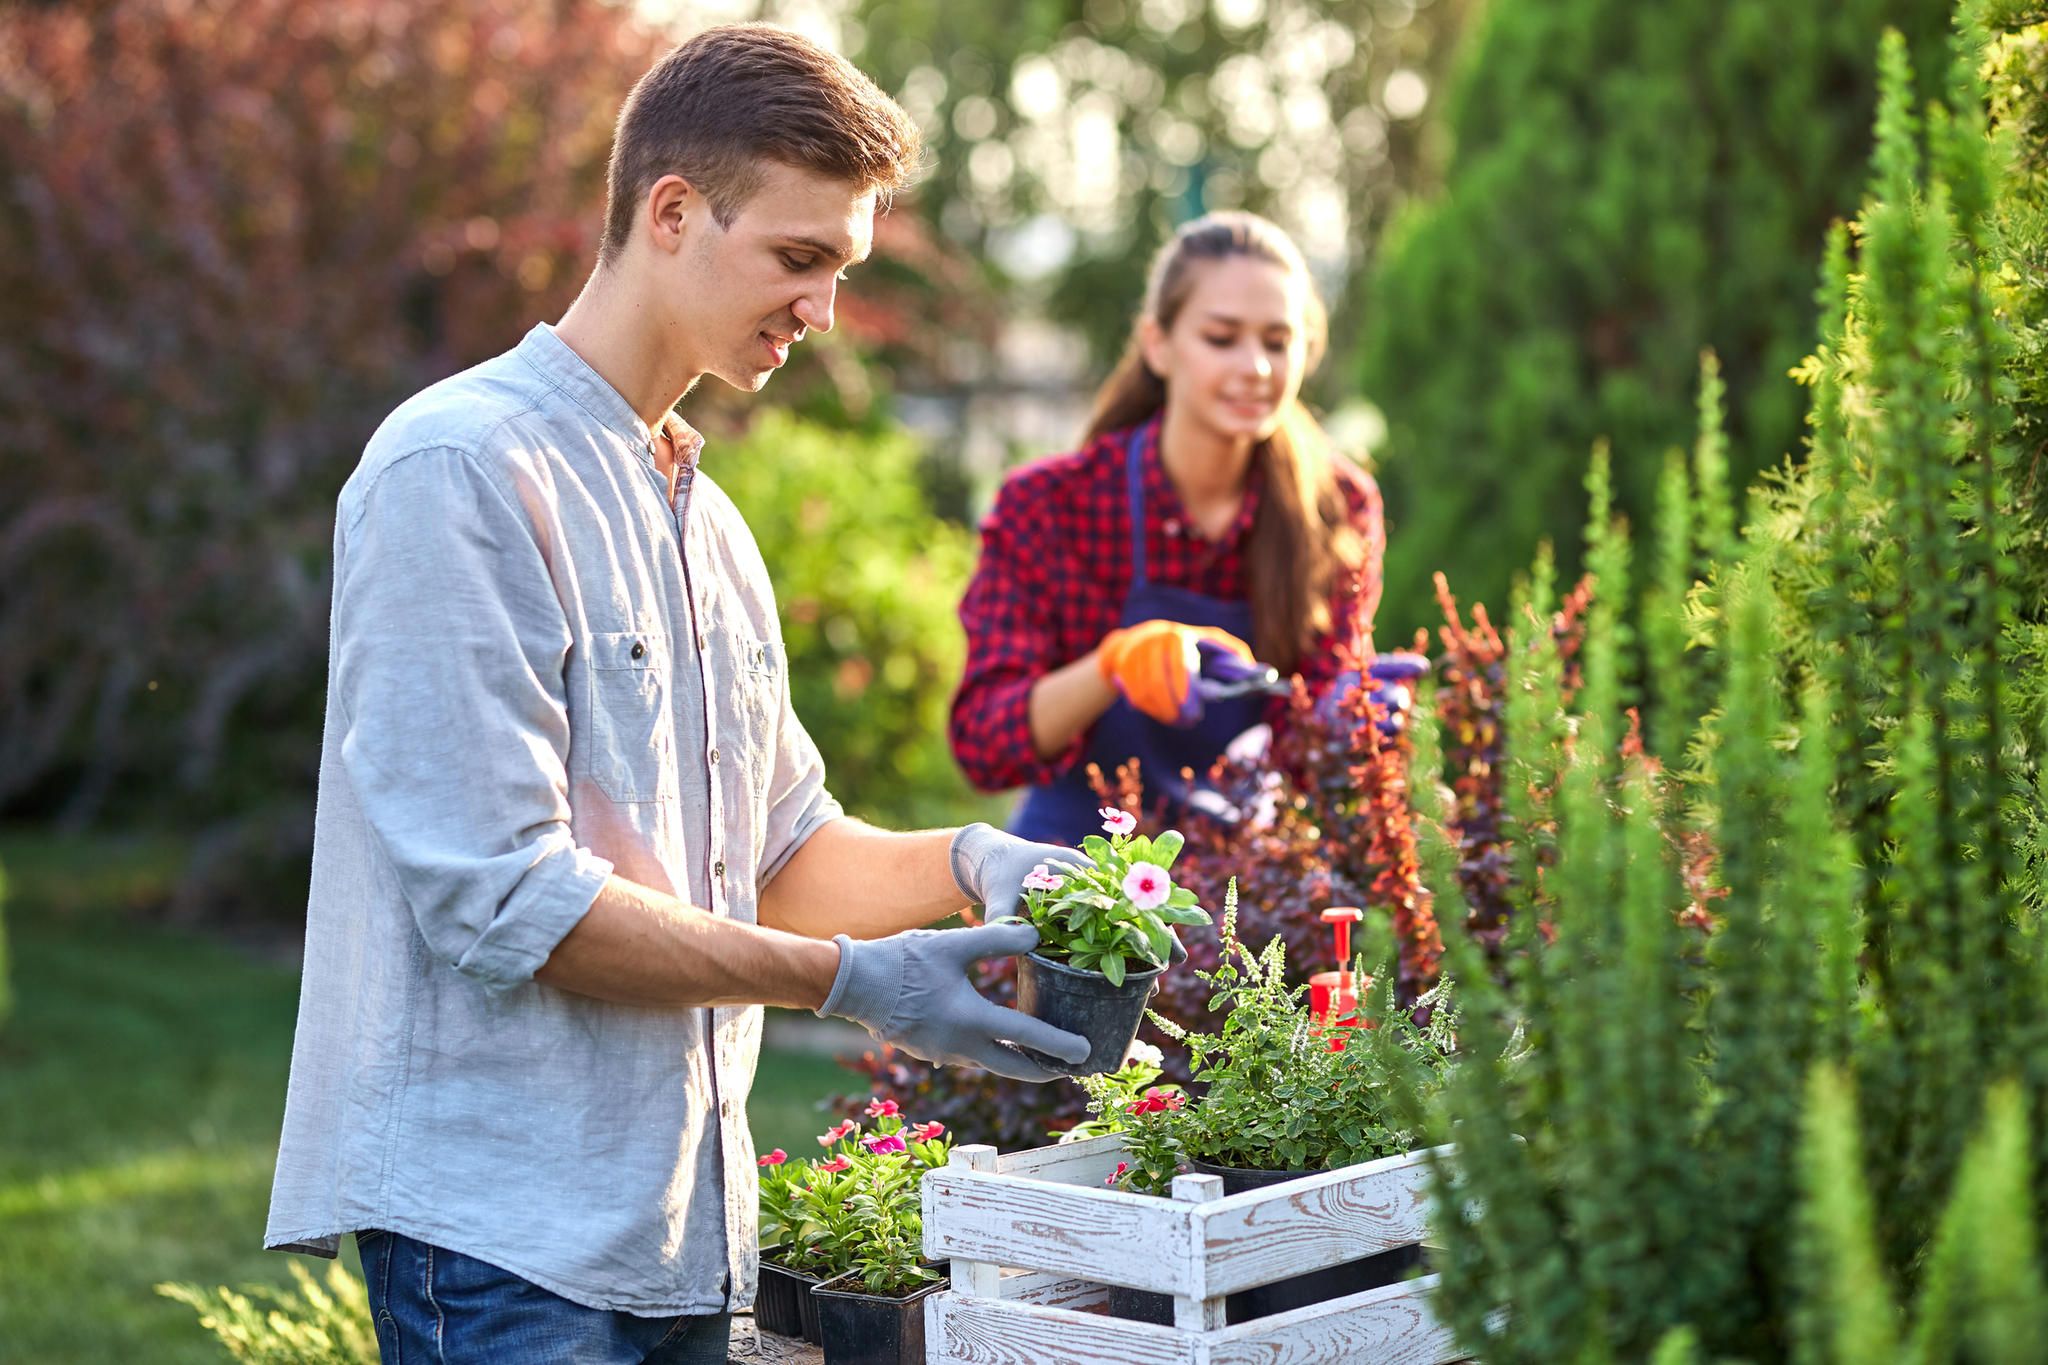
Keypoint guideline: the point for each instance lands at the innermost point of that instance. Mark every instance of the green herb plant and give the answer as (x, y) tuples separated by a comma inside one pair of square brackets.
[(1285, 1091)]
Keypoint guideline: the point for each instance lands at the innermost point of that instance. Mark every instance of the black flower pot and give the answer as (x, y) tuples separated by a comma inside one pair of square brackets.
[(1318, 1286), (859, 1328), (1084, 1003), (1140, 1305), (783, 1302)]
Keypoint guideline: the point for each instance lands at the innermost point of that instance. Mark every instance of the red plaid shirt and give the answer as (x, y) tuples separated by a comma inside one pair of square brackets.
[(1055, 569)]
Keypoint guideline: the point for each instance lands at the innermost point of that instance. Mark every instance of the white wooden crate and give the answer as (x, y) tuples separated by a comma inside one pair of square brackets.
[(1036, 1239)]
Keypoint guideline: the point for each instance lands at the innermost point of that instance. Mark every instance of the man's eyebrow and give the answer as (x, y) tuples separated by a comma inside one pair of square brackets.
[(827, 250)]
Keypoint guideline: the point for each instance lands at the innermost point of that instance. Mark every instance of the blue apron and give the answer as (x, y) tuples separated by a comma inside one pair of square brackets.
[(1063, 810)]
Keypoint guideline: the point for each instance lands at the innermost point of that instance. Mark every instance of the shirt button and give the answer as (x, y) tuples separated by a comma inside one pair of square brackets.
[(718, 868), (639, 650), (701, 641), (1173, 526), (714, 753), (725, 1108)]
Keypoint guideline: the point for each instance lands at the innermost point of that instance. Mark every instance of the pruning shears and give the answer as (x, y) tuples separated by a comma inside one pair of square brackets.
[(1226, 675)]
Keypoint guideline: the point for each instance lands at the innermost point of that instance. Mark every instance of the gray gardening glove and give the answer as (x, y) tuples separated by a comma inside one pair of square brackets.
[(990, 867), (911, 990)]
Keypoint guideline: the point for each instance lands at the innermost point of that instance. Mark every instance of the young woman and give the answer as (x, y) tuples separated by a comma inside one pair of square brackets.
[(1205, 514)]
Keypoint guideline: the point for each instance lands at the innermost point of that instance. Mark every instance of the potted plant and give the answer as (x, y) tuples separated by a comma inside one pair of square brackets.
[(1284, 1095), (1105, 933), (872, 1312), (784, 1286), (1130, 1102), (813, 1228)]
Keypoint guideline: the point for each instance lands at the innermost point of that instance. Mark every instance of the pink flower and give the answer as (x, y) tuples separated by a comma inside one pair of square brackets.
[(1117, 821), (1042, 878), (1118, 1173), (1147, 885), (1157, 1100), (882, 1109), (837, 1132), (925, 1132), (882, 1144), (775, 1158), (836, 1165)]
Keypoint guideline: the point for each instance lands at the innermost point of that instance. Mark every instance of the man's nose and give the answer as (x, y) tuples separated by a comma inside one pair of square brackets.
[(814, 310)]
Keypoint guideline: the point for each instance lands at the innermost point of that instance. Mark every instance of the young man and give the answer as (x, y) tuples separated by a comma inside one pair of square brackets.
[(570, 834)]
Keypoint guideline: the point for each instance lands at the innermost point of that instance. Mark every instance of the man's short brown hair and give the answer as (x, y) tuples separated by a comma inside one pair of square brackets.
[(717, 107)]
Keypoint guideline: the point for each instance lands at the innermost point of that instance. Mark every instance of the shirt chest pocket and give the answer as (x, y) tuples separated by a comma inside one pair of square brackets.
[(632, 724), (760, 704)]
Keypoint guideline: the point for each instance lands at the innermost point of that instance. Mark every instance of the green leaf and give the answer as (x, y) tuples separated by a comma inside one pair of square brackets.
[(1182, 898), (1167, 847), (1113, 968), (1096, 847)]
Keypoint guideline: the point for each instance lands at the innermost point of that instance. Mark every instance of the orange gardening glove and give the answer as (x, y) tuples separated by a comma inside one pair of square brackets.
[(1154, 665)]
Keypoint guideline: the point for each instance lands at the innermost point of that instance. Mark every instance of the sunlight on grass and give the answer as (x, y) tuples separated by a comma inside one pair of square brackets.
[(142, 1084)]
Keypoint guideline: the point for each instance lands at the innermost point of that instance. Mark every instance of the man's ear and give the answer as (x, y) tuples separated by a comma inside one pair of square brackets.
[(671, 211)]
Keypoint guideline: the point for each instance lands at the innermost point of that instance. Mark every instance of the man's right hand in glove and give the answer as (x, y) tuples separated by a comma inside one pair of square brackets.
[(911, 990), (1154, 665)]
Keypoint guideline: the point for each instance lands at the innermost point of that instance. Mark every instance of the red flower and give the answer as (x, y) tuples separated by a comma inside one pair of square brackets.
[(836, 1165), (1157, 1100), (775, 1158), (837, 1132), (882, 1109), (925, 1132), (1118, 1173), (883, 1144)]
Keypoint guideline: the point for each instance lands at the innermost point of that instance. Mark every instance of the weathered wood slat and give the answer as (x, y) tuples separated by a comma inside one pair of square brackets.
[(1389, 1326), (1096, 1234), (964, 1331), (1203, 1309), (1085, 1162), (1053, 1289), (982, 1279), (1320, 1220)]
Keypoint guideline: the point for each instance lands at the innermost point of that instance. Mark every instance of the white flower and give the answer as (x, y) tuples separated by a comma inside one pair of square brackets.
[(1116, 821), (1143, 1053), (1043, 878)]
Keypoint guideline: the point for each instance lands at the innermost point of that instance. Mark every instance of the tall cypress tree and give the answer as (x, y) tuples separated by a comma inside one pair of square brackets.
[(1628, 183)]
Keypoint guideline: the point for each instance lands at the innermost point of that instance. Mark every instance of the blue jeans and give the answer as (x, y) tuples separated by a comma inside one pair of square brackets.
[(438, 1307)]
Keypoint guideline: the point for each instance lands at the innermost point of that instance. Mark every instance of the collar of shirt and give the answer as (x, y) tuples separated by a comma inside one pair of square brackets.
[(571, 373), (1165, 511)]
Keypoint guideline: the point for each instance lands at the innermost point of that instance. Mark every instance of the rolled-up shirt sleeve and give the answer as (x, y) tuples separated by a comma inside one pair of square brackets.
[(1009, 615), (449, 645)]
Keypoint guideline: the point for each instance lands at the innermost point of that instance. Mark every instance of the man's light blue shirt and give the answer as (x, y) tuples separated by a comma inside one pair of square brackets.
[(541, 672)]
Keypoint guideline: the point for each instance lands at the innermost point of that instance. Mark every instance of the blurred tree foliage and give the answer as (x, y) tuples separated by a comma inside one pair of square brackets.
[(1628, 183), (1078, 133), (233, 235)]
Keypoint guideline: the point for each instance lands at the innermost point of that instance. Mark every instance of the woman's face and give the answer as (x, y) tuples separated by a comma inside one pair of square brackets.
[(1234, 356)]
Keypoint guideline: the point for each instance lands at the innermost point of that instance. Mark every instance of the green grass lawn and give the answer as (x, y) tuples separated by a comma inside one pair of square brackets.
[(142, 1083)]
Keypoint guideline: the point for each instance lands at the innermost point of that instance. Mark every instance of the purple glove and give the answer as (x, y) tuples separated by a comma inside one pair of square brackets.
[(1392, 675)]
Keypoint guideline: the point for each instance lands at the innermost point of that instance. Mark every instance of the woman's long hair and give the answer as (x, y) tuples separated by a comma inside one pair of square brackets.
[(1302, 543)]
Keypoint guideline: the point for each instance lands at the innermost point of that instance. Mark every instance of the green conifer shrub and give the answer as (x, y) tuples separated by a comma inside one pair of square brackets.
[(1813, 1134)]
